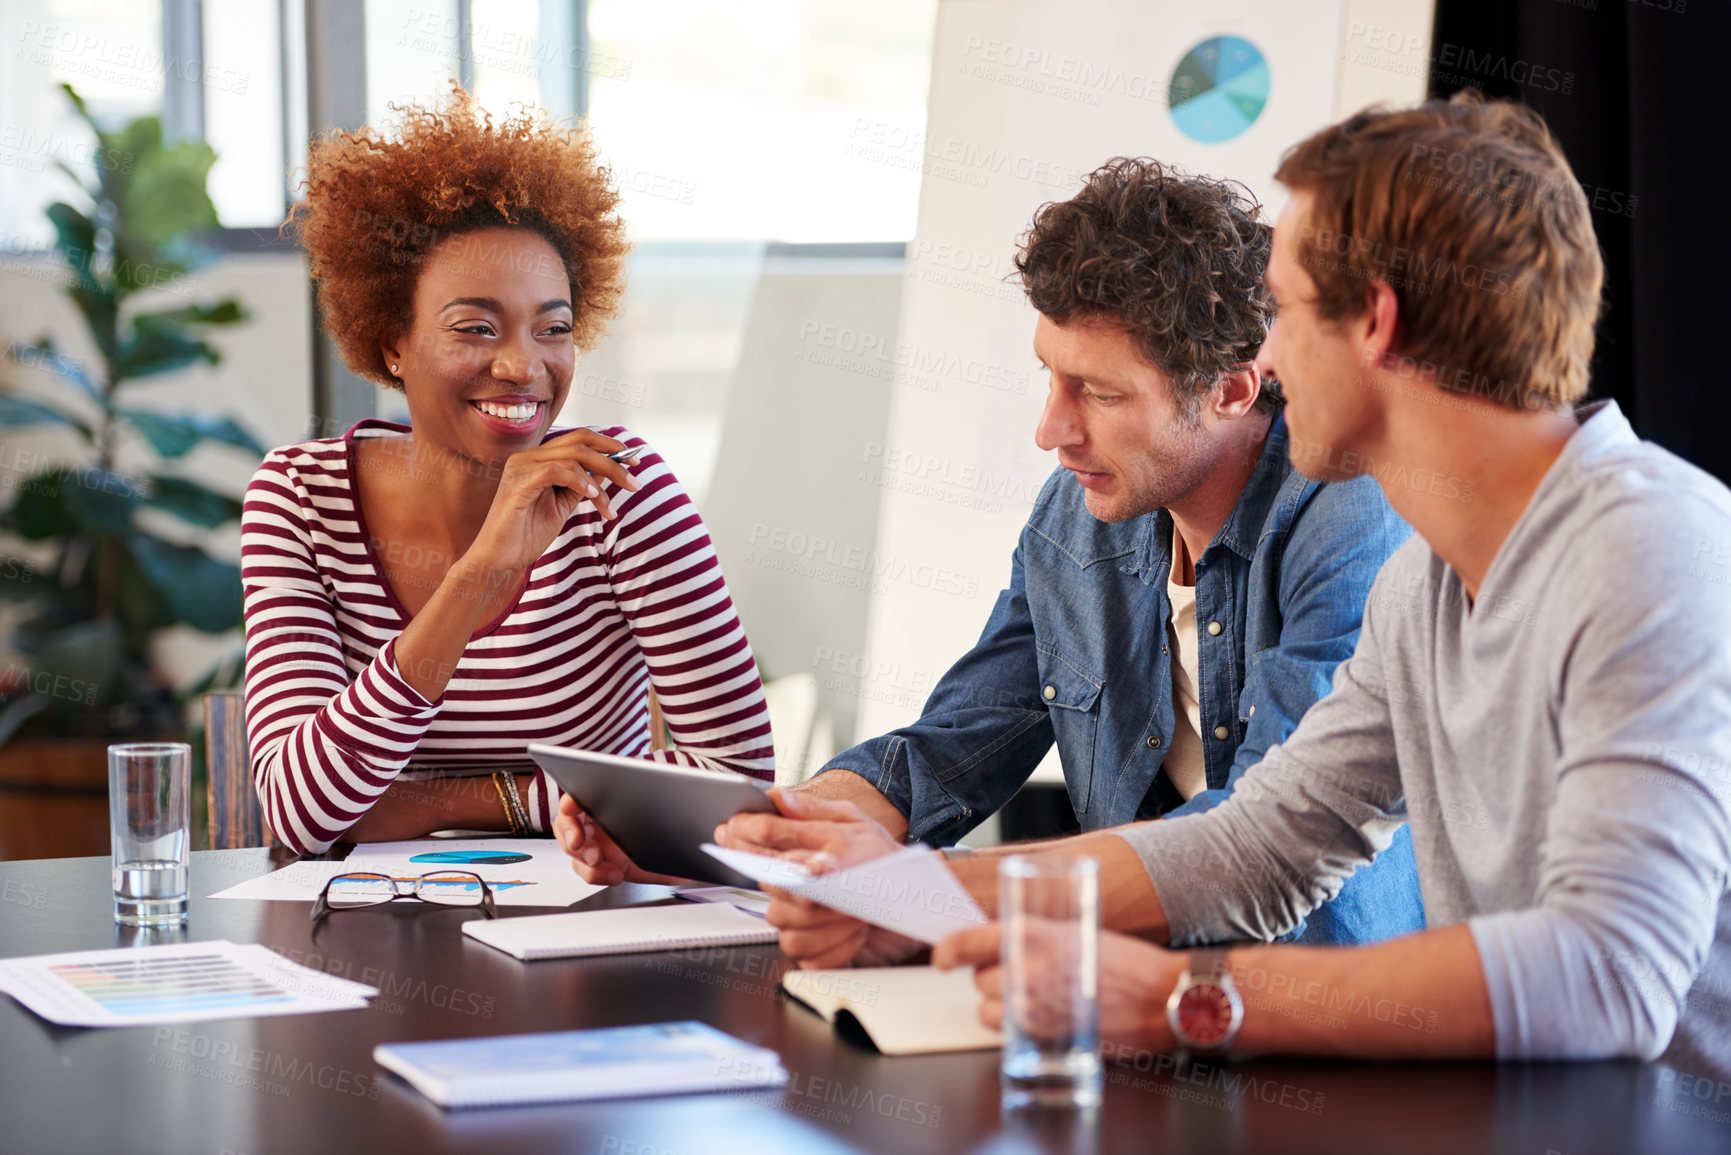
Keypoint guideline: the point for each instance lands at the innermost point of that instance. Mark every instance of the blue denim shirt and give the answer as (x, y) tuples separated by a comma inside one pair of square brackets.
[(1076, 651)]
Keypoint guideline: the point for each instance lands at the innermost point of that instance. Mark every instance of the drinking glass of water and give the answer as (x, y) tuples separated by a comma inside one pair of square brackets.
[(148, 785), (1049, 906)]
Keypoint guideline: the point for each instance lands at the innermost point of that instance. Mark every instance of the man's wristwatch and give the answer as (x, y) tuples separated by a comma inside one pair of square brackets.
[(1205, 1009)]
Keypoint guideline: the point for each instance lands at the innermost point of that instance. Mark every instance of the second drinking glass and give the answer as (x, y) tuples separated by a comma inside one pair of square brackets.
[(1049, 906)]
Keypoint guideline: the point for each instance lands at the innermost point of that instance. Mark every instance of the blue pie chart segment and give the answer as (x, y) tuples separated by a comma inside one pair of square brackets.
[(1218, 89), (473, 857)]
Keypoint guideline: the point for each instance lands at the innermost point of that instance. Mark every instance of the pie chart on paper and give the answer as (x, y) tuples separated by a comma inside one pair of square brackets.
[(1218, 89), (474, 857)]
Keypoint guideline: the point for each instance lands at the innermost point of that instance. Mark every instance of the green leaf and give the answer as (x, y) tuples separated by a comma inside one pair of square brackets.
[(201, 591), (140, 605), (154, 349), (38, 513), (102, 501), (63, 502), (45, 355), (78, 104), (166, 195), (136, 137), (15, 410), (136, 141), (100, 307), (173, 436), (75, 237), (191, 502), (169, 436), (222, 313), (96, 298)]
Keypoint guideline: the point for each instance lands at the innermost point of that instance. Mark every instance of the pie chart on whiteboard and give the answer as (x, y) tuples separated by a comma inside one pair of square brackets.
[(1218, 89)]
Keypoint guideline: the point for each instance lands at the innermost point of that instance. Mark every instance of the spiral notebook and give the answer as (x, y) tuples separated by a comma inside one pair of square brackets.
[(627, 931), (610, 1063)]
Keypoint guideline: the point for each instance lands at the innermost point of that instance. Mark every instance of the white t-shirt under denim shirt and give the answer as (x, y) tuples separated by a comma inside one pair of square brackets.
[(1185, 763), (1562, 748)]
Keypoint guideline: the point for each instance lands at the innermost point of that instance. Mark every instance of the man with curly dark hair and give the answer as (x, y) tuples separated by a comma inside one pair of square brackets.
[(423, 601), (1180, 595)]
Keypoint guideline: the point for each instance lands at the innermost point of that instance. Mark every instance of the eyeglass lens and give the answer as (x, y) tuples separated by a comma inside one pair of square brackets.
[(448, 888), (452, 888)]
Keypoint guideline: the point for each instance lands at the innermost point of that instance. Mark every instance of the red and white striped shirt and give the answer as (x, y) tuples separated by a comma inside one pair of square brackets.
[(610, 608)]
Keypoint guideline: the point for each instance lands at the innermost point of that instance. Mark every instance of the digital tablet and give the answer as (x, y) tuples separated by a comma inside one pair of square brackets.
[(659, 814)]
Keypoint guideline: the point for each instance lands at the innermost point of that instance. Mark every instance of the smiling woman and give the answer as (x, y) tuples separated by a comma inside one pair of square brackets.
[(424, 600)]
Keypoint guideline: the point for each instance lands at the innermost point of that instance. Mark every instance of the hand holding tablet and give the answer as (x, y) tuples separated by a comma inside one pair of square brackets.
[(643, 817)]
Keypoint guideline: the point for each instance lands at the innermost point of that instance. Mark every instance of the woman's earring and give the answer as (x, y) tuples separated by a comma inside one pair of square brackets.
[(393, 368)]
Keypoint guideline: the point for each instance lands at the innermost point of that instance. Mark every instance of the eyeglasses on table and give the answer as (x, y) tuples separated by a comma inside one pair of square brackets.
[(359, 889)]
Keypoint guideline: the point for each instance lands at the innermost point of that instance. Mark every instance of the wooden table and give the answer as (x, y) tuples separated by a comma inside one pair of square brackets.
[(308, 1083)]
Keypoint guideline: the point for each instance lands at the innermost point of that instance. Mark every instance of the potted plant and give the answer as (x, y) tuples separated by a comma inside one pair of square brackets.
[(112, 582)]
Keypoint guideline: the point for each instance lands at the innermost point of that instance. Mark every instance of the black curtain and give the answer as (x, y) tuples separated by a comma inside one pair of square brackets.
[(1636, 93)]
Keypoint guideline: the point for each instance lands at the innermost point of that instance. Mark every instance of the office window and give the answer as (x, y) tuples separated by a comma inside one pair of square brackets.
[(115, 54), (728, 126), (755, 119), (243, 111), (111, 51), (413, 53)]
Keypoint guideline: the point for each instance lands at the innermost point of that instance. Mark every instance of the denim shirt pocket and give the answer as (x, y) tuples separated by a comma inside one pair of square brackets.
[(1072, 699)]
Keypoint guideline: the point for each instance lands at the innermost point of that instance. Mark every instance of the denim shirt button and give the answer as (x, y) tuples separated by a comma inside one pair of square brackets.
[(1153, 741), (1222, 733), (1214, 627), (1050, 693)]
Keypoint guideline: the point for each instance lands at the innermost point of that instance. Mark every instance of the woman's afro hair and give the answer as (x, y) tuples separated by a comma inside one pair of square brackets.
[(377, 205)]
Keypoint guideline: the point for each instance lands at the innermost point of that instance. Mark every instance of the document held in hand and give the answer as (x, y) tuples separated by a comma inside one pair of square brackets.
[(911, 891)]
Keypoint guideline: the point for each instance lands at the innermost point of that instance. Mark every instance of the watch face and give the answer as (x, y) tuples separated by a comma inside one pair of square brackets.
[(1204, 1014)]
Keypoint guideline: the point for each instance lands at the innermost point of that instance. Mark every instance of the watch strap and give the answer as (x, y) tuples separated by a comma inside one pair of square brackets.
[(1209, 964)]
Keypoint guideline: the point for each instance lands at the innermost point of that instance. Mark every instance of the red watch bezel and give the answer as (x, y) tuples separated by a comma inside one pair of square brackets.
[(1204, 1015), (1205, 1010)]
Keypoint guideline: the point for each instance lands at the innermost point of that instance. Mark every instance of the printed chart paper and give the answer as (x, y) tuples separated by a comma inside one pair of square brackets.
[(176, 983), (911, 891), (521, 872)]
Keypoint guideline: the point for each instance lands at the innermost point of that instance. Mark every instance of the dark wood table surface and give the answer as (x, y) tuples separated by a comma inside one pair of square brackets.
[(308, 1083)]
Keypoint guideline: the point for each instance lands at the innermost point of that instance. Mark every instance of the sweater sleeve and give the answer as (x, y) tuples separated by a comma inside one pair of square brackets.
[(669, 586), (323, 747), (1636, 851)]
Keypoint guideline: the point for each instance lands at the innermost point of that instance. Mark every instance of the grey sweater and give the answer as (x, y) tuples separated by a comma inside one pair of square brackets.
[(1561, 747)]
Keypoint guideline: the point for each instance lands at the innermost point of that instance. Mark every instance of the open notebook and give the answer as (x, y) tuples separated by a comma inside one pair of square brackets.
[(627, 931), (905, 1010)]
